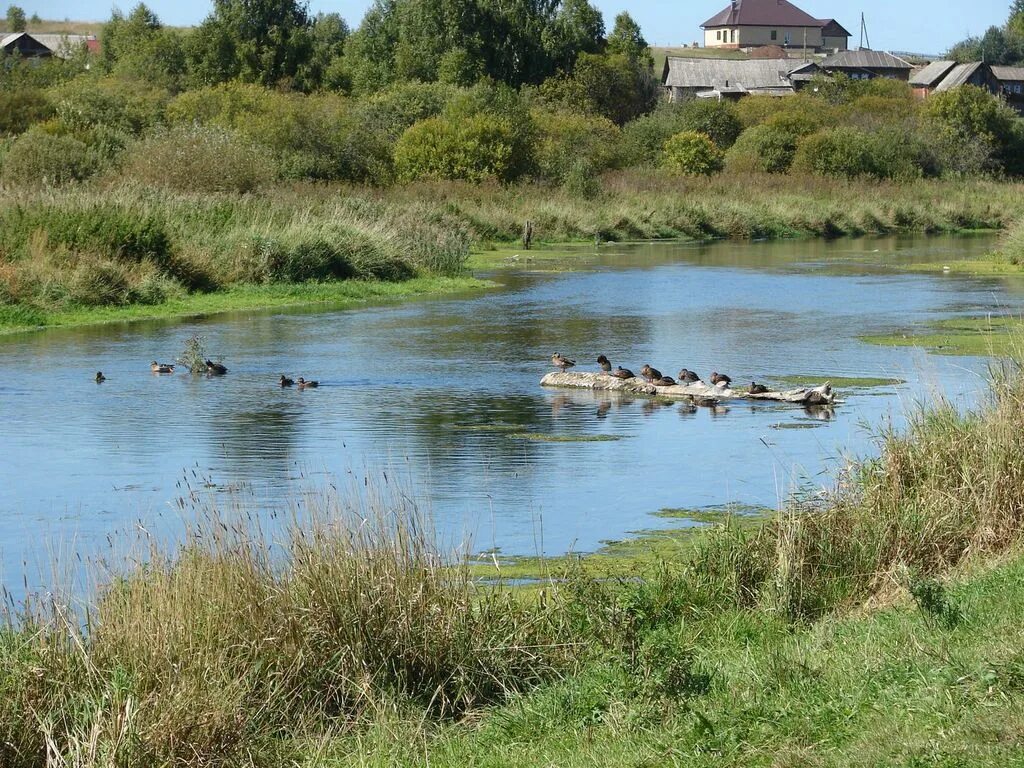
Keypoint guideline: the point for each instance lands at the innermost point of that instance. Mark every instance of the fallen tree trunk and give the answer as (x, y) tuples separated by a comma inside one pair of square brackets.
[(697, 391)]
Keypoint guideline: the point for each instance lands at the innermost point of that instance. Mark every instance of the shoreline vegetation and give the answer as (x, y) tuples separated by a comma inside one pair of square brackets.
[(113, 251), (880, 623)]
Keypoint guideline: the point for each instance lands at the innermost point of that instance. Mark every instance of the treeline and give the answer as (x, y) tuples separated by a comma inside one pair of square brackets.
[(999, 45)]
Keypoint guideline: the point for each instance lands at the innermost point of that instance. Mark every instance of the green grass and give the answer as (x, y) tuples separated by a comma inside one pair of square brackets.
[(981, 336), (243, 298)]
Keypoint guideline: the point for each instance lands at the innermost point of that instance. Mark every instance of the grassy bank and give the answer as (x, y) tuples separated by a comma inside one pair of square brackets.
[(861, 627), (107, 250)]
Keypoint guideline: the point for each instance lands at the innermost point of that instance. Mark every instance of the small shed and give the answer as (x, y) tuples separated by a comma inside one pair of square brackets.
[(25, 45), (925, 80), (867, 65), (686, 78)]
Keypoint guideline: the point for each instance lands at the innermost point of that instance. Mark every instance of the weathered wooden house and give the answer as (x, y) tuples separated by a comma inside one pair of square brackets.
[(867, 65), (924, 81), (24, 45), (1011, 85), (688, 78), (754, 23)]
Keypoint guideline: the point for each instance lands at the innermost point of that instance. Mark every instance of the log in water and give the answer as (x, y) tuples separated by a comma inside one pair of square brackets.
[(823, 395)]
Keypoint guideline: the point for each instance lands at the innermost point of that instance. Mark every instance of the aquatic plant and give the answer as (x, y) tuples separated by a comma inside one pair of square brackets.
[(194, 355)]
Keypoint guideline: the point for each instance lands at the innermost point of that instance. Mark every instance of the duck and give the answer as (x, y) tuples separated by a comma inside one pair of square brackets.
[(156, 367), (707, 402), (687, 376), (562, 362), (757, 389), (651, 374), (285, 381), (664, 381), (605, 364), (622, 373), (303, 384), (100, 378), (720, 379), (215, 368)]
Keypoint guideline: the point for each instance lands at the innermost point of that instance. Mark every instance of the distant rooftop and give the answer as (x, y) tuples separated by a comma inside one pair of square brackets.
[(763, 13), (865, 59), (932, 74)]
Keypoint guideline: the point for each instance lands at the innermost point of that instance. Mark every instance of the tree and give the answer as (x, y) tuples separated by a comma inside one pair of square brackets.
[(139, 46), (577, 28), (327, 49), (609, 85), (15, 19), (970, 115), (693, 154), (257, 41), (627, 40)]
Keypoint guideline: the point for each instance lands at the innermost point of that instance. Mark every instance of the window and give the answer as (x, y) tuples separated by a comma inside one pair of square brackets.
[(1018, 88), (733, 36), (718, 35), (775, 34)]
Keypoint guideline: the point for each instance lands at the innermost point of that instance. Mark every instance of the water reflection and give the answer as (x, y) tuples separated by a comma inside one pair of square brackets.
[(447, 392)]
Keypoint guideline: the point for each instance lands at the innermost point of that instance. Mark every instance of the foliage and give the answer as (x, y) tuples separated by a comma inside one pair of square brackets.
[(970, 115), (763, 148), (475, 149), (138, 46), (570, 143), (199, 159), (835, 152), (40, 158), (131, 106), (194, 355), (20, 108), (693, 154), (626, 39), (15, 19), (611, 85)]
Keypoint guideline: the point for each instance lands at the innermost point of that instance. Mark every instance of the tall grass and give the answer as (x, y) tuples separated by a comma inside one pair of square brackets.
[(209, 653)]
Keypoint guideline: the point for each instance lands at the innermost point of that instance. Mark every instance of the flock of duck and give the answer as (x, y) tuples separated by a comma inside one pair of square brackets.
[(655, 377), (211, 368)]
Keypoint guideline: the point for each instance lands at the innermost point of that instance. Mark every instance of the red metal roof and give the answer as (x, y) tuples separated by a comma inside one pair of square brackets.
[(762, 13)]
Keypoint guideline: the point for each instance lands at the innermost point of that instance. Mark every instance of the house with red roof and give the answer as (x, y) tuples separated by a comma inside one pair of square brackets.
[(753, 23)]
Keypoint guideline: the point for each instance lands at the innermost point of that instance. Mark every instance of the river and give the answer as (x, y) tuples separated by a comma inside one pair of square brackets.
[(437, 391)]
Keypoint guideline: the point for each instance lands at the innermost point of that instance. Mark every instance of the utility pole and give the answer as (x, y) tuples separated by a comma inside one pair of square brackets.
[(864, 32)]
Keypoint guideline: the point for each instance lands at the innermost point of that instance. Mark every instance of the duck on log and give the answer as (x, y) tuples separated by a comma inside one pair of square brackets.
[(823, 395)]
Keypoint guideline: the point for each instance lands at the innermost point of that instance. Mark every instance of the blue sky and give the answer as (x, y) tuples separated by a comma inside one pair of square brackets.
[(923, 26)]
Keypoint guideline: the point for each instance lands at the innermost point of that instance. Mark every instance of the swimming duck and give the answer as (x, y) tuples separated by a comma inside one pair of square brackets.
[(651, 374), (707, 402), (215, 368), (285, 381), (622, 373), (100, 378), (664, 381), (605, 364), (156, 367), (562, 362), (720, 379), (757, 389), (687, 376), (303, 384)]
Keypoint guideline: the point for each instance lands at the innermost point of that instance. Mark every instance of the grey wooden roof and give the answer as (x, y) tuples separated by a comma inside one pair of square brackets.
[(864, 59), (752, 74), (1008, 74), (59, 45), (959, 75), (931, 74)]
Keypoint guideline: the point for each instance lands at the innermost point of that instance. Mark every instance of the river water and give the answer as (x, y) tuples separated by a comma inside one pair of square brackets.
[(434, 391)]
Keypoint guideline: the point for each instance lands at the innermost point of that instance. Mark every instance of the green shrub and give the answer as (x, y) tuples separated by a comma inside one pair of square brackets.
[(843, 152), (693, 154), (763, 148), (568, 142), (37, 158), (21, 108), (198, 159), (131, 106), (474, 149), (967, 115), (644, 138)]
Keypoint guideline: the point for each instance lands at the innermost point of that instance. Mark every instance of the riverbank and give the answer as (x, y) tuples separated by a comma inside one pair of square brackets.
[(106, 250), (881, 620)]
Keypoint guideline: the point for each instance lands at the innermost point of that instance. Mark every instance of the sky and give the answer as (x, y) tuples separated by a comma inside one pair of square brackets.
[(916, 26)]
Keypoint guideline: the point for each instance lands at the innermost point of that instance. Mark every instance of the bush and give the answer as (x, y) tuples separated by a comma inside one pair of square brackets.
[(568, 142), (967, 114), (693, 154), (126, 105), (843, 152), (475, 149), (21, 108), (199, 159), (763, 148), (645, 137), (39, 158)]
